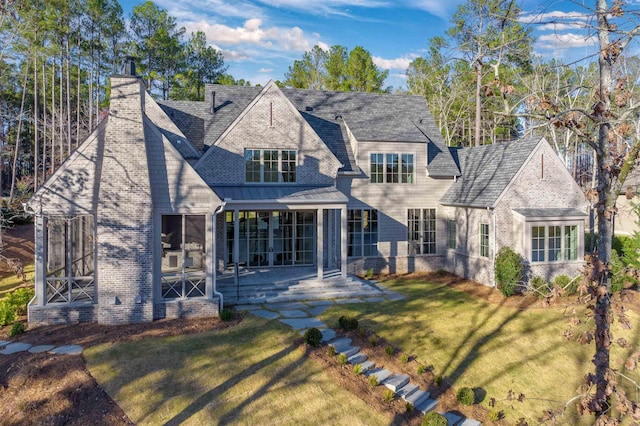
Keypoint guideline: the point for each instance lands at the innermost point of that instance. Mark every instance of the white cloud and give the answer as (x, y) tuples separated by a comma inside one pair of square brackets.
[(556, 16), (565, 41), (253, 32), (401, 63), (265, 70), (326, 7)]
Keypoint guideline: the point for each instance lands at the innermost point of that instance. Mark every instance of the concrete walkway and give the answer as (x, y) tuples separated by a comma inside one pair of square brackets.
[(301, 316)]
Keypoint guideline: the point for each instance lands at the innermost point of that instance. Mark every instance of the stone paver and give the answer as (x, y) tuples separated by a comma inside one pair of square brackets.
[(396, 381), (357, 358), (247, 307), (470, 422), (320, 302), (67, 350), (328, 334), (395, 297), (300, 323), (284, 306), (40, 348), (374, 299), (426, 405), (4, 343), (349, 301), (417, 397), (367, 365), (452, 418), (294, 313), (380, 374), (407, 390), (266, 314), (317, 310), (13, 348)]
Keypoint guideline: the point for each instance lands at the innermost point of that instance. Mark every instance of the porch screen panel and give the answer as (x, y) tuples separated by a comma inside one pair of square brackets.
[(305, 238), (229, 234), (283, 238), (70, 259)]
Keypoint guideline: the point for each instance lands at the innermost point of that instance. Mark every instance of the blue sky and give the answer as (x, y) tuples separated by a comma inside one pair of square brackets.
[(260, 39)]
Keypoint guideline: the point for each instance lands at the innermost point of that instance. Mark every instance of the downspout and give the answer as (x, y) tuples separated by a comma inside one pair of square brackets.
[(218, 210), (495, 244), (26, 210)]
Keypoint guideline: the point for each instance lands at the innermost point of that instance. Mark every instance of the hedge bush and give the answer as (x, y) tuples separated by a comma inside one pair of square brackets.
[(466, 396), (313, 337), (347, 322), (15, 304), (433, 418), (509, 271)]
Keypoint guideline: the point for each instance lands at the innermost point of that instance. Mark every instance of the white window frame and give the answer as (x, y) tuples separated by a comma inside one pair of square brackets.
[(404, 174), (563, 250), (285, 172), (427, 227)]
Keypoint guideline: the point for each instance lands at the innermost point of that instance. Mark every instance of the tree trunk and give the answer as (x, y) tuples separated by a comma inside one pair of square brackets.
[(17, 148), (36, 143), (478, 101)]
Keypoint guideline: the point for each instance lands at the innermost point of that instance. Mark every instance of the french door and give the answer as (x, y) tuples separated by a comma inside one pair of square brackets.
[(272, 238)]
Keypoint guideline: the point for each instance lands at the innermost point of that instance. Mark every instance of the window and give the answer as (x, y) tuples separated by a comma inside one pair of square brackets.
[(270, 166), (70, 260), (183, 256), (421, 227), (554, 243), (392, 168), (377, 167), (484, 239), (362, 237), (406, 171), (537, 243), (453, 228)]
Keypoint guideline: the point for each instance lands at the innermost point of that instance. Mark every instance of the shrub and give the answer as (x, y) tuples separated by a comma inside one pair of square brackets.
[(331, 351), (404, 358), (226, 314), (313, 337), (362, 333), (7, 312), (465, 396), (389, 350), (357, 369), (18, 327), (369, 273), (347, 322), (538, 286), (373, 381), (342, 359), (20, 298), (373, 340), (389, 395), (508, 270), (408, 407), (495, 415), (438, 381), (566, 283), (433, 418), (421, 369)]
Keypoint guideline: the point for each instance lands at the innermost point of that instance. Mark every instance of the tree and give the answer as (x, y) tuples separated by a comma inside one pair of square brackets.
[(336, 70), (488, 33), (157, 40), (204, 65)]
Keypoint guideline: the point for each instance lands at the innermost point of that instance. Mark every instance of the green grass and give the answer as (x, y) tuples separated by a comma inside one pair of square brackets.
[(11, 281), (474, 343), (248, 374)]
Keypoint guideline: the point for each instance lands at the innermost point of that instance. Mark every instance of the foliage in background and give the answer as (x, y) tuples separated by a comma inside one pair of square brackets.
[(15, 304)]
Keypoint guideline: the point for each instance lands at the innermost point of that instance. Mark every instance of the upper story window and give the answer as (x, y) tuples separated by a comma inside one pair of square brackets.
[(270, 165), (392, 168)]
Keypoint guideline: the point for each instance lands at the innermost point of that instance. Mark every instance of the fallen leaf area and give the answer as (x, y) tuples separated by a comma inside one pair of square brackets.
[(48, 389)]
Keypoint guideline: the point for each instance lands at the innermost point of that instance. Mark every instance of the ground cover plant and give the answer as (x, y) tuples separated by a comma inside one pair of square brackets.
[(487, 342)]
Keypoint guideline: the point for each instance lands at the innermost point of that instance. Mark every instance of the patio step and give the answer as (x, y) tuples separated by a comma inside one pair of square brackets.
[(357, 358), (367, 365), (426, 405), (417, 397), (452, 419), (380, 374), (396, 381), (407, 390)]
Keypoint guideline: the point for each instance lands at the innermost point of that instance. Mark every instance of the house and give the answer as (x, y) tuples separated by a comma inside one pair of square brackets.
[(164, 199), (626, 218)]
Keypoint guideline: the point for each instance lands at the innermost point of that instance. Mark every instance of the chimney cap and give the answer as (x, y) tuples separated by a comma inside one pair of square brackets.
[(129, 66)]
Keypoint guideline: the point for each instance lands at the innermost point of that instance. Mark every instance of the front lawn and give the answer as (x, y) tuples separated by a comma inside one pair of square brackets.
[(493, 347), (252, 373)]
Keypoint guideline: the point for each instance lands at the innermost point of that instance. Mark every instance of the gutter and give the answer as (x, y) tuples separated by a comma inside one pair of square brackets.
[(217, 211)]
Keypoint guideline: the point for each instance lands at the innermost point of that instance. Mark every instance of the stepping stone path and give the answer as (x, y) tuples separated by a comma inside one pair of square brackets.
[(301, 316), (9, 348)]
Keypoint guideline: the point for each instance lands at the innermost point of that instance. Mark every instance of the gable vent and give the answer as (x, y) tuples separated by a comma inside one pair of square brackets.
[(309, 108)]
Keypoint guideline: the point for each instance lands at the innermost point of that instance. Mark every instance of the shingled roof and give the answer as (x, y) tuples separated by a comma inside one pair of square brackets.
[(373, 117), (486, 172)]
